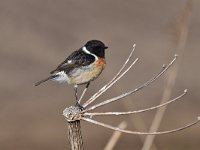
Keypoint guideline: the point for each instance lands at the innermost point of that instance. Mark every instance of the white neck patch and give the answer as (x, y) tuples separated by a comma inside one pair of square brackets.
[(88, 52)]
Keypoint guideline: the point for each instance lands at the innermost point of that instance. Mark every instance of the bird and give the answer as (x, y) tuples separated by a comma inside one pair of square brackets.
[(81, 67)]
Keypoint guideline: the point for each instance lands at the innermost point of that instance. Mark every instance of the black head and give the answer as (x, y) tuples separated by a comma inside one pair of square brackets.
[(96, 47)]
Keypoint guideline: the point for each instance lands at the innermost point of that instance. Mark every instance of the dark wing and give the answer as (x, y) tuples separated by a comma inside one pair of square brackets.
[(76, 59)]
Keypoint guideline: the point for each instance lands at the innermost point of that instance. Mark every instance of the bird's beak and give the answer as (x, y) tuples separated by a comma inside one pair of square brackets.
[(105, 47)]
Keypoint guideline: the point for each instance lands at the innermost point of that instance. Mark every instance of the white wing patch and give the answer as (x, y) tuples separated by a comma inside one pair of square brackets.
[(69, 61), (88, 52), (62, 77)]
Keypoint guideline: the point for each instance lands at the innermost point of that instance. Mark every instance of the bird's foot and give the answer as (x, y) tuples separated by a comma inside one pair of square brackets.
[(79, 106)]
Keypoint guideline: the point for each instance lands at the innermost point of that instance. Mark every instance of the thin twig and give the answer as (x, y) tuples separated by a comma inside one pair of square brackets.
[(183, 33), (164, 68), (141, 133), (137, 111), (83, 93), (114, 79), (115, 137)]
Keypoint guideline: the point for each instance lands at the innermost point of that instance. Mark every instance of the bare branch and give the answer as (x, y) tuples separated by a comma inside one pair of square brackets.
[(183, 29), (114, 79), (115, 137), (137, 111), (141, 133), (164, 68), (83, 93), (117, 79)]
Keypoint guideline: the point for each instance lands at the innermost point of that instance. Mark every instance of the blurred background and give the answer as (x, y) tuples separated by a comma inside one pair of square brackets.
[(35, 36)]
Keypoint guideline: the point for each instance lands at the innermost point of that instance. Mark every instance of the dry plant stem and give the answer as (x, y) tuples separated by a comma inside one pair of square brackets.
[(137, 111), (83, 93), (183, 32), (74, 135), (141, 133), (105, 87), (135, 90), (114, 81), (115, 137)]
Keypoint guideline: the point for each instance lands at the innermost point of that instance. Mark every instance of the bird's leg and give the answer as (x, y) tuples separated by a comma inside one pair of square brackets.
[(76, 92), (84, 91)]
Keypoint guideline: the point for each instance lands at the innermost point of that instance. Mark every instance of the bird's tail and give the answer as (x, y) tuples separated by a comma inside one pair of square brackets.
[(44, 80)]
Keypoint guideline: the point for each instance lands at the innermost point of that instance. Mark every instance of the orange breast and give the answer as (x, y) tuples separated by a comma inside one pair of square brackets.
[(101, 62), (88, 73)]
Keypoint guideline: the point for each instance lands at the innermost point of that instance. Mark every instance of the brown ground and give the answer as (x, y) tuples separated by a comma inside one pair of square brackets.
[(37, 35)]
